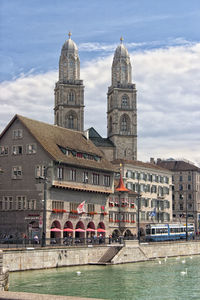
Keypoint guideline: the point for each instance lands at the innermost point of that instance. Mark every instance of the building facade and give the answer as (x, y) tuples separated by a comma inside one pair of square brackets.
[(150, 192), (51, 169), (186, 190), (69, 90)]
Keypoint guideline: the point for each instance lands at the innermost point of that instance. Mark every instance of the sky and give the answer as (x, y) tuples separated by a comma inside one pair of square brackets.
[(163, 41)]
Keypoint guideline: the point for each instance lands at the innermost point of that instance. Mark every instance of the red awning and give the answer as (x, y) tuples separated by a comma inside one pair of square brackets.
[(101, 230), (55, 229), (79, 230), (90, 230), (68, 230)]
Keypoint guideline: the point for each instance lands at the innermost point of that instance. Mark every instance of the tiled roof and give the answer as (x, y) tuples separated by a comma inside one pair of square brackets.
[(50, 136), (176, 165), (138, 163), (95, 137)]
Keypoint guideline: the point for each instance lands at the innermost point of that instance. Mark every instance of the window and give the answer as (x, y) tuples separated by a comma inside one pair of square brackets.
[(181, 197), (181, 206), (8, 203), (189, 187), (17, 172), (180, 187), (33, 204), (85, 177), (39, 171), (95, 178), (181, 178), (17, 150), (1, 205), (31, 149), (57, 204), (189, 177), (124, 123), (3, 150), (125, 101), (71, 97), (21, 202), (72, 175), (17, 134), (60, 173), (91, 207), (73, 206), (106, 180)]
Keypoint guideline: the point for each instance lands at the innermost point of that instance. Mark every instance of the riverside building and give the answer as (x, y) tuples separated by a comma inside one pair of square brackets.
[(47, 172), (149, 196), (186, 190)]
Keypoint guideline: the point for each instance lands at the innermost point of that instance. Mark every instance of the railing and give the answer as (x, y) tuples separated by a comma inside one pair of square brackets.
[(54, 242)]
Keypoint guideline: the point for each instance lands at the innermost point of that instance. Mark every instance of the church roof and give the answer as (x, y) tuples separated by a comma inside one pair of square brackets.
[(52, 138), (98, 140)]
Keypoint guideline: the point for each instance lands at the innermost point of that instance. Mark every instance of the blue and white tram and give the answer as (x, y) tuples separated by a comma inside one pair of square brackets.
[(165, 232)]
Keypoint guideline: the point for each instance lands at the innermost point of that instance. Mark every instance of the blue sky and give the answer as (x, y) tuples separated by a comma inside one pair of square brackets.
[(162, 38)]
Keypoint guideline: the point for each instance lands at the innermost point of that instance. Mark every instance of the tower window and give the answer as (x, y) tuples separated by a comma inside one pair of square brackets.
[(125, 102), (124, 125), (71, 120), (71, 97)]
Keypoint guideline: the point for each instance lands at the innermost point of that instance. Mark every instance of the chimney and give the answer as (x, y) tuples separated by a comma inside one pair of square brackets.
[(152, 161)]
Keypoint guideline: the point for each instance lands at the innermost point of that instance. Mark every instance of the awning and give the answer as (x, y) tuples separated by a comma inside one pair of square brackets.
[(101, 230), (68, 230), (55, 229), (90, 230), (79, 230)]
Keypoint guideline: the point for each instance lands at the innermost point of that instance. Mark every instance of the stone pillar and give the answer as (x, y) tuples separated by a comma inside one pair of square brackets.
[(4, 275)]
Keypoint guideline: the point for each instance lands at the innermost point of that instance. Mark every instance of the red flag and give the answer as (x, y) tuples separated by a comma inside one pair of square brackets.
[(81, 208)]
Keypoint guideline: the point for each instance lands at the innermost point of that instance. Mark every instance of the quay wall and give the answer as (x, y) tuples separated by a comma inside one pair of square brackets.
[(4, 275), (133, 252), (42, 258)]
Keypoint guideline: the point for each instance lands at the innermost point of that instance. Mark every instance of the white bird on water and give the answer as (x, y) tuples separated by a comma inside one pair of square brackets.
[(178, 257), (78, 272), (159, 262), (183, 261), (184, 272)]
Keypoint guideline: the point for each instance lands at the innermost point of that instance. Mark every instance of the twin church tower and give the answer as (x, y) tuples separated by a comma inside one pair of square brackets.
[(121, 102)]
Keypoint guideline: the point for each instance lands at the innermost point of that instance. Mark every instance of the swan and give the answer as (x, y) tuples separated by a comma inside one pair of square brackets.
[(166, 258), (184, 272), (159, 262), (78, 272), (191, 257), (183, 261), (177, 258)]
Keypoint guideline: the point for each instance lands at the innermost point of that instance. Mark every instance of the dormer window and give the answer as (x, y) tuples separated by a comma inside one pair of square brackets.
[(17, 134)]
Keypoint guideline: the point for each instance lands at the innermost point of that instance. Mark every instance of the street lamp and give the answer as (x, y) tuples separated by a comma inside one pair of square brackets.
[(186, 214), (138, 210), (45, 178)]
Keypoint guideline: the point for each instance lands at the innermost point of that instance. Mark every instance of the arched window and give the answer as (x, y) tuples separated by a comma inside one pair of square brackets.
[(71, 96), (71, 120), (125, 101), (124, 124)]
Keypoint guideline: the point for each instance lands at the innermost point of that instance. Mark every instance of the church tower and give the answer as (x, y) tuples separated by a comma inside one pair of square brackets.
[(69, 90), (121, 107)]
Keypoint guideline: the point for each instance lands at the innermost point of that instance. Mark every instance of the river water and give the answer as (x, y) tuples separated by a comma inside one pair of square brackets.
[(155, 280)]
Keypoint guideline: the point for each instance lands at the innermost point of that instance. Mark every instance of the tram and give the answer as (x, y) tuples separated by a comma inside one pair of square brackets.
[(165, 232)]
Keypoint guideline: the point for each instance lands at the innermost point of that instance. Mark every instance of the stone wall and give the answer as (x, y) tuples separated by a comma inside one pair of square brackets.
[(4, 275), (30, 259)]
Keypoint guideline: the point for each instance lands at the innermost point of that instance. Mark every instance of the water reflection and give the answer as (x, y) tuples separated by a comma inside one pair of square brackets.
[(139, 281)]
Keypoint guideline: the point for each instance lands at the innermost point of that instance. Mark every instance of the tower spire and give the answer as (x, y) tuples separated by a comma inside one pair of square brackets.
[(121, 39), (69, 34)]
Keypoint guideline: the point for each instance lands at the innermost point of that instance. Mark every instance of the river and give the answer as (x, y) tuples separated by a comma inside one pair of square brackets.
[(154, 280)]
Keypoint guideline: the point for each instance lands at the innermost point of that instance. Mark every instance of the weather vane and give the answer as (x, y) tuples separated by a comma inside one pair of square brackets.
[(121, 39)]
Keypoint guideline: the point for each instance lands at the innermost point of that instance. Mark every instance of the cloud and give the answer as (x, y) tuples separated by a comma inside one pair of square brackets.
[(167, 80)]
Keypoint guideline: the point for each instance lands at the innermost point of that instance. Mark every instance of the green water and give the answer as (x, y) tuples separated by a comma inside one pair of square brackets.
[(139, 281)]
